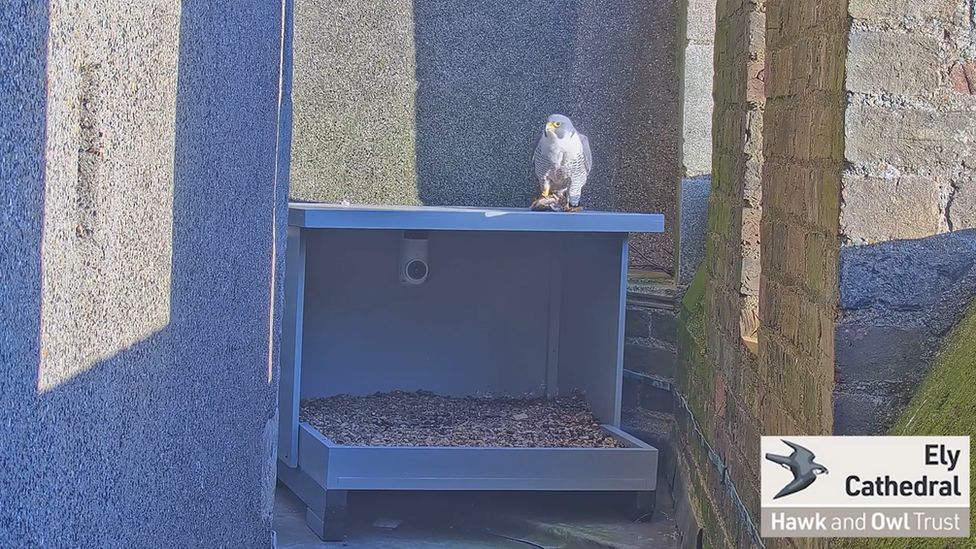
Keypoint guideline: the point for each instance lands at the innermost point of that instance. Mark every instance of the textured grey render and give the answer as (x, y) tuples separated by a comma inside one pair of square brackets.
[(696, 41), (440, 102), (139, 215), (697, 25), (694, 225)]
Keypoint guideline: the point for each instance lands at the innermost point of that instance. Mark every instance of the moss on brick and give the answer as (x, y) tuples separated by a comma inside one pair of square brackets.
[(695, 377), (945, 404)]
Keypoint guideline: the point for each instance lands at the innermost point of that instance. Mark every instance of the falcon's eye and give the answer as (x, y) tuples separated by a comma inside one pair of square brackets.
[(557, 124)]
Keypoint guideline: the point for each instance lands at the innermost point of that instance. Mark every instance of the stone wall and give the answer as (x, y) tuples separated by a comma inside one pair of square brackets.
[(867, 257), (718, 373), (732, 250), (907, 200), (140, 220), (771, 254), (804, 128), (432, 102), (733, 395)]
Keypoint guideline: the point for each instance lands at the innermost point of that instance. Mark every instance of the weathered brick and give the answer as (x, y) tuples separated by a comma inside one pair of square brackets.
[(876, 209), (664, 325), (962, 78), (637, 322), (649, 358), (896, 62)]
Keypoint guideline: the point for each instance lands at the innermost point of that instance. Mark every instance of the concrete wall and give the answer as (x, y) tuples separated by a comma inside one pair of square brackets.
[(139, 216), (430, 102), (696, 26)]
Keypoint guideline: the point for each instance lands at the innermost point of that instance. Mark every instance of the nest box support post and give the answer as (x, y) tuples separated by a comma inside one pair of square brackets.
[(621, 328), (290, 382)]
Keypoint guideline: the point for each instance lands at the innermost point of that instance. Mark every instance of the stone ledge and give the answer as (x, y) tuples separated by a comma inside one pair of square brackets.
[(651, 288)]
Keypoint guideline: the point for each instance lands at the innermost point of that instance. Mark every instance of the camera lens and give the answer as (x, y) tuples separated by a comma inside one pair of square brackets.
[(416, 269)]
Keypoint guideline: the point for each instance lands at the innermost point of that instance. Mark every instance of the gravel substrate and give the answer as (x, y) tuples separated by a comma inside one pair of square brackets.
[(424, 419)]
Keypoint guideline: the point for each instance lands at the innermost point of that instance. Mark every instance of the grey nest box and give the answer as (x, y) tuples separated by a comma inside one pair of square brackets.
[(456, 301)]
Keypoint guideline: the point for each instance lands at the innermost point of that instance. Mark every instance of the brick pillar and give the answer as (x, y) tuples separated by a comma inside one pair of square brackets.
[(867, 250), (801, 185), (733, 232), (720, 380)]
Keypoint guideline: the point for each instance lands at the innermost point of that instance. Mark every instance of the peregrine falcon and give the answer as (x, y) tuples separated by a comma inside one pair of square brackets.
[(562, 161)]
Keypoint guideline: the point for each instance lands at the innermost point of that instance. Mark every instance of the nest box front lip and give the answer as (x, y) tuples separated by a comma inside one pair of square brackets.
[(444, 218)]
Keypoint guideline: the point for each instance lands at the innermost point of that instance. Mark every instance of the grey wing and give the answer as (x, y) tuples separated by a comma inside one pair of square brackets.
[(800, 454), (541, 162), (796, 485), (587, 155)]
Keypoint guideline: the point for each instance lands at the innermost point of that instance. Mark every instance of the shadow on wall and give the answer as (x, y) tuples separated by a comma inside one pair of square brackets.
[(694, 224), (488, 73), (23, 39), (169, 442), (898, 300)]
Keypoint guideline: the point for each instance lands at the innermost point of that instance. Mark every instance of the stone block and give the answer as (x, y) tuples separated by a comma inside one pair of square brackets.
[(907, 138), (907, 275), (862, 414), (637, 322), (694, 217), (878, 209), (664, 325), (630, 392), (962, 208), (870, 354), (701, 21), (894, 62), (896, 10), (655, 399), (647, 357)]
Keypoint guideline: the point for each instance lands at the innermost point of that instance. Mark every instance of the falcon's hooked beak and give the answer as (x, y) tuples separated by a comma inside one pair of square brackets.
[(551, 127)]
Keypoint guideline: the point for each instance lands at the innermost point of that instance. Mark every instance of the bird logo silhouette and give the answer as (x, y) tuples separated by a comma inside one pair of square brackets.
[(801, 464)]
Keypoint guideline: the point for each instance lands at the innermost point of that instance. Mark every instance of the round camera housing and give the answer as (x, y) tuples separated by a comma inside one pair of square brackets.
[(414, 266), (416, 270)]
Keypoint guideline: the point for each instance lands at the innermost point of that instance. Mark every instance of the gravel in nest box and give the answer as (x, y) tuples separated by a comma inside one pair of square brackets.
[(422, 418)]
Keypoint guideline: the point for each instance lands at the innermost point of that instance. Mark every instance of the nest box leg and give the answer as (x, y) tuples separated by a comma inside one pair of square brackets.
[(329, 523), (642, 505)]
